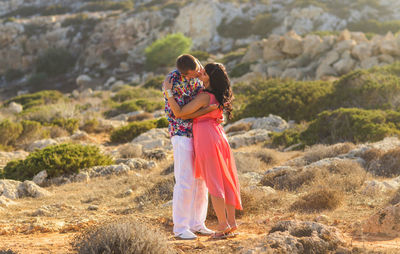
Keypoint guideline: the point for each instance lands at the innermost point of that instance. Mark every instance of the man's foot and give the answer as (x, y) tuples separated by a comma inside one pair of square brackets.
[(203, 231), (187, 235)]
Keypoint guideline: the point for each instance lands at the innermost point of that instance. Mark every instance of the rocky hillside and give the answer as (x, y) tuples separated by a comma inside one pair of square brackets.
[(108, 38)]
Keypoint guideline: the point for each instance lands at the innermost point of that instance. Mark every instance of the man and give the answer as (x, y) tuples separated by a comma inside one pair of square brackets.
[(190, 197)]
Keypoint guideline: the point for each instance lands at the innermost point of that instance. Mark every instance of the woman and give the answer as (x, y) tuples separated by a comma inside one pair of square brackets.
[(214, 161)]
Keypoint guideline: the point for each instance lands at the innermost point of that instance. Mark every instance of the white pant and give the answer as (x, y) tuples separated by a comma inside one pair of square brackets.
[(190, 200)]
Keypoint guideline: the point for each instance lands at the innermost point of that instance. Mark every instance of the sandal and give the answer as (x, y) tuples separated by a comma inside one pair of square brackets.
[(221, 234), (232, 232)]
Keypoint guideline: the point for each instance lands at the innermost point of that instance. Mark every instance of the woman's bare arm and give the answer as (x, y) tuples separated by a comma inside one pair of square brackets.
[(200, 112)]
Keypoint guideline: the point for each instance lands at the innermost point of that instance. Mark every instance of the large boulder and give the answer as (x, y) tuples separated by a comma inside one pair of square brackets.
[(15, 108), (154, 138), (292, 44), (345, 64), (302, 237), (249, 138), (30, 189), (254, 52), (384, 222), (271, 123), (9, 189)]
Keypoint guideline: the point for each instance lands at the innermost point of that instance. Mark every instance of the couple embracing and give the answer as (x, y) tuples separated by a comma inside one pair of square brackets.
[(195, 99)]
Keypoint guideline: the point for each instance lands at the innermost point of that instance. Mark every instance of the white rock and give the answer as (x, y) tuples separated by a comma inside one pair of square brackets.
[(271, 123), (81, 177), (254, 52), (40, 144), (15, 108), (249, 138), (40, 177), (345, 65), (6, 201), (30, 189), (83, 80), (9, 189), (292, 44)]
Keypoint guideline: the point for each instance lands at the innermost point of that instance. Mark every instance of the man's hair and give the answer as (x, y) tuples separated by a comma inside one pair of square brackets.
[(185, 63)]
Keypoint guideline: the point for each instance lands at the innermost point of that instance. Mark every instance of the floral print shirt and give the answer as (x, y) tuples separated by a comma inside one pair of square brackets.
[(184, 91)]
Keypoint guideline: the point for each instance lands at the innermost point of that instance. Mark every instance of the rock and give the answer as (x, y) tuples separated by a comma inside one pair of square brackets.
[(274, 71), (40, 178), (362, 51), (125, 117), (388, 59), (322, 219), (344, 65), (83, 80), (254, 52), (15, 108), (30, 189), (370, 62), (325, 70), (292, 44), (359, 37), (137, 163), (81, 177), (271, 123), (108, 170), (6, 201), (292, 73), (110, 81), (310, 44), (302, 237), (345, 35), (9, 189), (343, 46), (40, 144), (375, 187), (275, 170), (249, 138), (80, 135), (384, 222), (389, 46), (128, 192), (272, 48), (252, 178), (264, 189), (154, 138)]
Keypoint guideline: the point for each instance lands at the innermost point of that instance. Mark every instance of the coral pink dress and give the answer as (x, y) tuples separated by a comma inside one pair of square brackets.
[(214, 160)]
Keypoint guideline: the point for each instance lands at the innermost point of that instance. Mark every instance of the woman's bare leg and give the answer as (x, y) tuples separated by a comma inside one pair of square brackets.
[(219, 208), (230, 210)]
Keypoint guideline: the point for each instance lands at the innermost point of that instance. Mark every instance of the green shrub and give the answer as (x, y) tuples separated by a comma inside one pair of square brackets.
[(31, 131), (123, 108), (163, 52), (13, 74), (233, 56), (131, 93), (70, 125), (55, 9), (240, 69), (377, 88), (237, 28), (264, 24), (352, 125), (132, 130), (23, 11), (37, 79), (55, 61), (107, 6), (155, 82), (150, 106), (9, 132), (287, 138), (32, 29), (35, 99), (162, 122), (375, 26), (90, 125), (58, 160), (295, 100), (201, 55)]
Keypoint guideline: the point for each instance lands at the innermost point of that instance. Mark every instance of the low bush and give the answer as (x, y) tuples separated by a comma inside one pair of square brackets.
[(318, 200), (351, 125), (9, 132), (240, 69), (375, 26), (288, 179), (286, 138), (130, 93), (132, 130), (68, 124), (31, 131), (13, 74), (107, 6), (264, 24), (163, 52), (247, 162), (319, 152), (237, 28), (37, 79), (201, 55), (134, 105), (161, 192), (56, 9), (58, 160), (155, 82), (121, 236), (386, 164), (90, 125), (141, 117), (44, 97), (55, 61), (292, 100)]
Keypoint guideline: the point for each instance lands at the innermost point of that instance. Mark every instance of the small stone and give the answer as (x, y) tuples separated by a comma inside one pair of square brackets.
[(40, 177), (93, 208)]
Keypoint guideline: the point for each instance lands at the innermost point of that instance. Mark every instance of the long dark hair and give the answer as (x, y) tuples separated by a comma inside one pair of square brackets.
[(220, 86)]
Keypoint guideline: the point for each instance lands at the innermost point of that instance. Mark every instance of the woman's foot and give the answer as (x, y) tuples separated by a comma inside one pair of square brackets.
[(221, 232)]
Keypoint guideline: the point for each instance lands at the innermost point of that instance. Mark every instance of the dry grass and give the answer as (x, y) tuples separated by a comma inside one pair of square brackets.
[(268, 156), (130, 151), (288, 179), (239, 127), (121, 237), (161, 192), (384, 164), (247, 162), (141, 117), (319, 152), (395, 198), (318, 200)]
